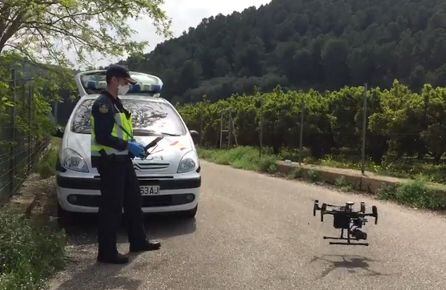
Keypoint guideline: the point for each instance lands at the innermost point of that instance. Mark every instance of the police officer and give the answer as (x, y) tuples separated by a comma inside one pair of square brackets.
[(112, 147)]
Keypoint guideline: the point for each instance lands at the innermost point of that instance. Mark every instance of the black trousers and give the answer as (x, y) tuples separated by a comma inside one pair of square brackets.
[(119, 189)]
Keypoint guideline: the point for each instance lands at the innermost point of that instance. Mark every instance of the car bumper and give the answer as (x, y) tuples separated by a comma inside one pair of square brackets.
[(83, 194)]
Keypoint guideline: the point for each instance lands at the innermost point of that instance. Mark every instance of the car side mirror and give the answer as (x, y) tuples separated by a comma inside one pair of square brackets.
[(59, 132), (195, 135)]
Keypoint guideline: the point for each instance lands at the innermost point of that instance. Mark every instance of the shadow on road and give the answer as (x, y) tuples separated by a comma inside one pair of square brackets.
[(351, 263), (82, 231), (101, 276)]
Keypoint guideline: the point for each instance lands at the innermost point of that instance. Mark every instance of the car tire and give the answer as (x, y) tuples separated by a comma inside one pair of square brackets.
[(190, 213), (65, 217)]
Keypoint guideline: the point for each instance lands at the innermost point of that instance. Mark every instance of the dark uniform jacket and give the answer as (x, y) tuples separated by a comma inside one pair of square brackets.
[(103, 111)]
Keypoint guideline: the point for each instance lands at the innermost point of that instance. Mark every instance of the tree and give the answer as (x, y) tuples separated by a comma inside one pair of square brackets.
[(320, 44), (48, 28), (334, 57), (401, 119), (435, 133)]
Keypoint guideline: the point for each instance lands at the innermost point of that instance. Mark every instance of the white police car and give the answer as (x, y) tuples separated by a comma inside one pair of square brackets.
[(169, 177)]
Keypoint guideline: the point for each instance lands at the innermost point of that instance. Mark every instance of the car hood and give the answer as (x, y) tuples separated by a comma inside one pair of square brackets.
[(164, 158)]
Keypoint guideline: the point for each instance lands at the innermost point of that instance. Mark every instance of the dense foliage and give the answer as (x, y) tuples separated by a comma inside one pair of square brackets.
[(400, 122), (49, 28), (302, 44), (40, 84)]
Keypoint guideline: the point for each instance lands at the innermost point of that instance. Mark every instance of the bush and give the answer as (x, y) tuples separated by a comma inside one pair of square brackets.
[(268, 164), (296, 173), (313, 175), (343, 184), (29, 253), (47, 165), (293, 154), (243, 157), (414, 193)]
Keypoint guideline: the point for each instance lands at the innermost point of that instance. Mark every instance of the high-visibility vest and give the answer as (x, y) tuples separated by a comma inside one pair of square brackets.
[(122, 129)]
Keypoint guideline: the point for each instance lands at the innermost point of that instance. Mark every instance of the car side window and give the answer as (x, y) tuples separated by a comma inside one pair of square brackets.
[(81, 119)]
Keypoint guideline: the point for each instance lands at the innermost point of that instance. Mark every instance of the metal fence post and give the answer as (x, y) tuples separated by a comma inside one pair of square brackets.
[(13, 132), (260, 137), (201, 132), (364, 129), (221, 128), (30, 94), (302, 109)]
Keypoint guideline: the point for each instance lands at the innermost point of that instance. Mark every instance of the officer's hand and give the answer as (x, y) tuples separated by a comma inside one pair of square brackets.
[(136, 149)]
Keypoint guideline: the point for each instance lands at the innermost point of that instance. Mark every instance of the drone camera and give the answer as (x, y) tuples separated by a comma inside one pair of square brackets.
[(358, 234)]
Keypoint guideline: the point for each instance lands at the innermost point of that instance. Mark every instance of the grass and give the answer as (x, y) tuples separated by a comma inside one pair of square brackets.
[(415, 193), (296, 173), (404, 168), (313, 175), (343, 184), (241, 157), (46, 166), (29, 252)]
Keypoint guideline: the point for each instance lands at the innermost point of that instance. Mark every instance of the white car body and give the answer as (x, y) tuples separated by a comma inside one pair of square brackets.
[(165, 188)]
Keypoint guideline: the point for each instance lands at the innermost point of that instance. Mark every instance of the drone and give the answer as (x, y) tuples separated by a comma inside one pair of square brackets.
[(346, 219)]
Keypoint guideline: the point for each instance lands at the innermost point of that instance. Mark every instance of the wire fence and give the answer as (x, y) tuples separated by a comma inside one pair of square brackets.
[(19, 148)]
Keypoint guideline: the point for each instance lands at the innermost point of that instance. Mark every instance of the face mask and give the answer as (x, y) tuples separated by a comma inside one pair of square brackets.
[(123, 89)]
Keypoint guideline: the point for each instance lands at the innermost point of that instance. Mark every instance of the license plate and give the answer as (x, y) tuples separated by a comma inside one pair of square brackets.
[(149, 189)]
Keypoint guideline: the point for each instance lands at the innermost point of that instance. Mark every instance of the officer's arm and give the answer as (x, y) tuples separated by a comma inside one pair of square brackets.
[(103, 126)]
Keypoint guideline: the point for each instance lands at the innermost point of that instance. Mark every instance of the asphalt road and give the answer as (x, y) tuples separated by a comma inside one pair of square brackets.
[(254, 231)]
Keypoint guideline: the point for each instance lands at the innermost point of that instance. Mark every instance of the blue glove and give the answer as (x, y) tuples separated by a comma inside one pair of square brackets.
[(136, 149)]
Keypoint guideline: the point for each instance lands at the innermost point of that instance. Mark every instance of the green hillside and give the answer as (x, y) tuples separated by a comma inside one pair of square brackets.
[(321, 44)]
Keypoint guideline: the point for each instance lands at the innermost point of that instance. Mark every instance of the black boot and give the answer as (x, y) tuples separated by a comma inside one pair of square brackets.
[(113, 259), (146, 246)]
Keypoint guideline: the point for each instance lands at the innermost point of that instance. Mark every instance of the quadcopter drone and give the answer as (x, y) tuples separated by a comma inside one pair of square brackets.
[(345, 218)]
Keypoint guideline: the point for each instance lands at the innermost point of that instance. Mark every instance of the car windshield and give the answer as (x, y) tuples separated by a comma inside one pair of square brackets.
[(95, 82), (148, 118)]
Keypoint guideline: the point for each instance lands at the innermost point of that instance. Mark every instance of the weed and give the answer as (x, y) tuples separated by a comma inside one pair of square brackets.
[(313, 175), (343, 184), (29, 253)]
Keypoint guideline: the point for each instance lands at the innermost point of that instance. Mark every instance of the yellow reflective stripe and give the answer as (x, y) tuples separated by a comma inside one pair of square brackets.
[(119, 132), (116, 132), (127, 125), (124, 126)]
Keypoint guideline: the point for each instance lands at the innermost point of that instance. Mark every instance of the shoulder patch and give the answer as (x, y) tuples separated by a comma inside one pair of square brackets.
[(103, 109)]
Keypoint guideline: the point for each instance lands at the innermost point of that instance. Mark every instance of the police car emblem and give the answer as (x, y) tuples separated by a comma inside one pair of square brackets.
[(103, 109)]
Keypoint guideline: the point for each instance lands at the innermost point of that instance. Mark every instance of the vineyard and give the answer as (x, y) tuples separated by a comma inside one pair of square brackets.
[(401, 124)]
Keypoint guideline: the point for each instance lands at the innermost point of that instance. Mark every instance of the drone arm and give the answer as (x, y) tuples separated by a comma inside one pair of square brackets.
[(316, 207), (375, 213)]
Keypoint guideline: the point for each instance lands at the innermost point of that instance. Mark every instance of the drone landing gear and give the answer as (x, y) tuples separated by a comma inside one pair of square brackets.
[(348, 239)]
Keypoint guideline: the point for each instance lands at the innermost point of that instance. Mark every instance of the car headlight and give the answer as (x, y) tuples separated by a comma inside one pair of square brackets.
[(188, 162), (73, 161)]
